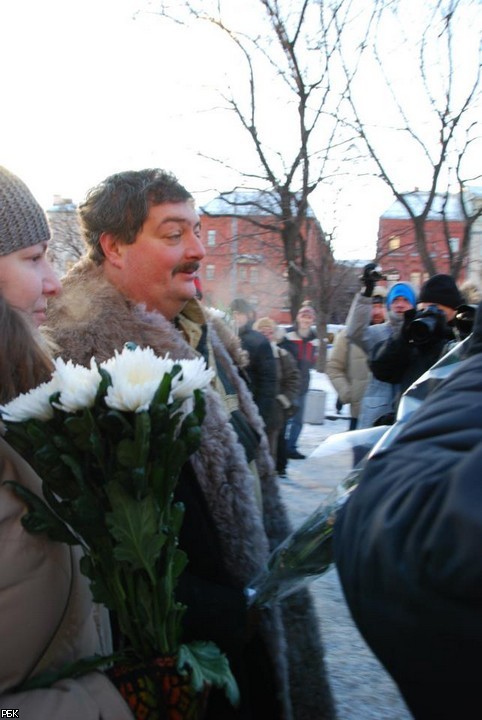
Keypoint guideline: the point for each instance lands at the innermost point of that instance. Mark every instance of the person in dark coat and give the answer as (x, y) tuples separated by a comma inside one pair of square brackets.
[(261, 368), (408, 549), (287, 391), (137, 284), (403, 358)]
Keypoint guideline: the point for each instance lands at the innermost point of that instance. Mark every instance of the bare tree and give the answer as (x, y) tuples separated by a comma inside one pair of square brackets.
[(424, 60), (66, 245), (278, 45)]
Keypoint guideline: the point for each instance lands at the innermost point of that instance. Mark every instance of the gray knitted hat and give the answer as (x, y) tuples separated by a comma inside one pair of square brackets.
[(22, 220)]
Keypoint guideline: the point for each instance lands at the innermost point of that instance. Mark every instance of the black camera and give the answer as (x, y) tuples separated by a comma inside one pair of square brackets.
[(374, 274), (426, 325)]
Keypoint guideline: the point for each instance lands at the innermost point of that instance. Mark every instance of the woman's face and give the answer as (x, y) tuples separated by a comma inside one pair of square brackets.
[(27, 281)]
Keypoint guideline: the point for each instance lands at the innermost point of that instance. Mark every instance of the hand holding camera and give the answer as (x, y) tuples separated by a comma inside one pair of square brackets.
[(372, 273), (425, 326)]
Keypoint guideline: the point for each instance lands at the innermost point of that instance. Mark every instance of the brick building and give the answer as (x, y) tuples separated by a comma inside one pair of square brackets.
[(244, 252), (396, 247)]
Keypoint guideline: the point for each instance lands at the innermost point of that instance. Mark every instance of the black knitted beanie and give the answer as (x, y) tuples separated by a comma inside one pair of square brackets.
[(22, 221), (441, 289)]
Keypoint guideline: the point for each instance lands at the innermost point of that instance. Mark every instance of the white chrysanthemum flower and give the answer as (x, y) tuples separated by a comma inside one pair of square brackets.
[(33, 405), (194, 376), (216, 312), (136, 375), (78, 385)]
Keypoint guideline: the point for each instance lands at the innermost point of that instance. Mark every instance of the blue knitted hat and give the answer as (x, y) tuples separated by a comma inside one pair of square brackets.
[(404, 290)]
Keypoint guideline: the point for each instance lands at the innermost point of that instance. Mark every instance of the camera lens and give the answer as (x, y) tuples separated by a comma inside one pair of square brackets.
[(422, 329)]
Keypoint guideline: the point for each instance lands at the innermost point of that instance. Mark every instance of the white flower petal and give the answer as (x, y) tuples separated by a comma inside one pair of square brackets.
[(33, 405), (78, 385), (194, 376), (135, 375)]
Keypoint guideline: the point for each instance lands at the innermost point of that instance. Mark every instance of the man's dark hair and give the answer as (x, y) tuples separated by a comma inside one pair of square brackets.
[(120, 205)]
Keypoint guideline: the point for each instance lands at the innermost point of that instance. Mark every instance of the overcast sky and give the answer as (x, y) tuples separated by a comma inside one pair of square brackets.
[(90, 88)]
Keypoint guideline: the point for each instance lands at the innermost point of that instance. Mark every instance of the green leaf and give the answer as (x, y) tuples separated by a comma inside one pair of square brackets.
[(126, 453), (104, 384), (99, 588), (142, 440), (40, 518), (177, 516), (161, 396), (133, 524), (115, 424), (179, 561), (72, 670), (73, 466), (208, 664)]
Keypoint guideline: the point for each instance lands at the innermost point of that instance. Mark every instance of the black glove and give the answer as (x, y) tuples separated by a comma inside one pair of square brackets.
[(369, 279)]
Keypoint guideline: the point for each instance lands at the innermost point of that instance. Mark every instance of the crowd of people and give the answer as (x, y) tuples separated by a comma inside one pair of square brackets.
[(136, 284), (406, 543)]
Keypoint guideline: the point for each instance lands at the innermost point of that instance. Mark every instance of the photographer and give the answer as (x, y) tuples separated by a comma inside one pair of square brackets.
[(426, 335), (377, 404), (407, 547)]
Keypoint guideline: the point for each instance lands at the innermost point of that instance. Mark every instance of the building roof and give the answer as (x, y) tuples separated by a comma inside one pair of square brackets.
[(442, 206), (248, 203)]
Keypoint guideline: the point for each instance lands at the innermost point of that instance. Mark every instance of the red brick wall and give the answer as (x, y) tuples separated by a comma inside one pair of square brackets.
[(405, 260), (262, 282)]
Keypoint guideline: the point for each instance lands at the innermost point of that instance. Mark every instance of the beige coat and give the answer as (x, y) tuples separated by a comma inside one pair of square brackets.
[(47, 617), (348, 371)]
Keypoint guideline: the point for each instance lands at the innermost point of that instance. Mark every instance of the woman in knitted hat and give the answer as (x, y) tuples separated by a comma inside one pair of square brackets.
[(47, 618)]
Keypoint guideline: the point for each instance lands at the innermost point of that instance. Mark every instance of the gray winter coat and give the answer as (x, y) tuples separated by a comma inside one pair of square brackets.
[(379, 398)]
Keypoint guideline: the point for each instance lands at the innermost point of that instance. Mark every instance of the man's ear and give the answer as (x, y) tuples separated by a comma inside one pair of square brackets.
[(112, 248)]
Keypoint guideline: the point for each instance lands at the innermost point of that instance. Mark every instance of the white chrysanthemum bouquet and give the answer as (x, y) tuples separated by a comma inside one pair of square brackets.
[(109, 442)]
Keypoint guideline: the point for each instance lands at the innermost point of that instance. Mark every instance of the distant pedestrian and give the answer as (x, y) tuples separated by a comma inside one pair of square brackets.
[(305, 344), (261, 368), (287, 391)]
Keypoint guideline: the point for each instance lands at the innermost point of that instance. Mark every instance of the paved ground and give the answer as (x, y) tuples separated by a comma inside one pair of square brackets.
[(362, 689)]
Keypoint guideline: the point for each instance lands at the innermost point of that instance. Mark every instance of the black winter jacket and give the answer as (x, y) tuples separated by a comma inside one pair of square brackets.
[(261, 369), (400, 362), (408, 547)]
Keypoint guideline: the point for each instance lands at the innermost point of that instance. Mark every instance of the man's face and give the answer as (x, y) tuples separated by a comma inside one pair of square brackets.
[(267, 331), (449, 312), (400, 304), (305, 320), (240, 319), (160, 267), (378, 313)]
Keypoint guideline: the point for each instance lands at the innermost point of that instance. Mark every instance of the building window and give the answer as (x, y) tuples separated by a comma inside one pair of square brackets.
[(393, 242), (242, 273), (415, 279), (210, 272), (254, 275), (211, 238), (454, 244)]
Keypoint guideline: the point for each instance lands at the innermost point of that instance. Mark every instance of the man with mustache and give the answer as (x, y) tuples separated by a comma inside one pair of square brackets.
[(137, 284)]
